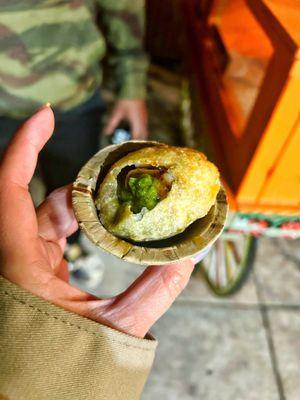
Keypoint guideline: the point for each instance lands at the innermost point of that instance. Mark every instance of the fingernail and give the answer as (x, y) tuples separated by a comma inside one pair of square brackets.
[(46, 105), (198, 257)]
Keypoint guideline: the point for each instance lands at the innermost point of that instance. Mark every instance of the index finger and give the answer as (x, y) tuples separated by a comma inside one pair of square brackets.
[(148, 298)]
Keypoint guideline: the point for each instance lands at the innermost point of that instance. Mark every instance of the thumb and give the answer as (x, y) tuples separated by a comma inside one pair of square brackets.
[(19, 160), (148, 298)]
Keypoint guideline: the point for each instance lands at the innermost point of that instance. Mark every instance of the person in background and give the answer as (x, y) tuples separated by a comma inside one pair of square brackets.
[(57, 342), (50, 51)]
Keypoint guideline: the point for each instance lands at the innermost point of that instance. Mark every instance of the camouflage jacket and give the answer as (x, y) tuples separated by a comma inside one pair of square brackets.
[(50, 51)]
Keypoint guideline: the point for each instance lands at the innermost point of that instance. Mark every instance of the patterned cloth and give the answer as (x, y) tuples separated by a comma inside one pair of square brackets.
[(50, 52)]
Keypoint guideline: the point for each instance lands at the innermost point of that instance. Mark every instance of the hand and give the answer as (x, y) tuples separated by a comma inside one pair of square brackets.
[(133, 111), (32, 243)]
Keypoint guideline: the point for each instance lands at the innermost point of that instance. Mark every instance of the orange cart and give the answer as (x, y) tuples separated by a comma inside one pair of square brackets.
[(244, 91)]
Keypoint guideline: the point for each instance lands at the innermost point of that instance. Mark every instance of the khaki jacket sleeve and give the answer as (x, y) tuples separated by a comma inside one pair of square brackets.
[(48, 353)]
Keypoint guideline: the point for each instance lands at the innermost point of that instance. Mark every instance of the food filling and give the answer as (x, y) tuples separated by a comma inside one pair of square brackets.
[(144, 188)]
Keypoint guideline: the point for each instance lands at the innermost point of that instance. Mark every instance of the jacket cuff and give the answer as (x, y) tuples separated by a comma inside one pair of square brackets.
[(50, 353), (133, 88), (132, 78)]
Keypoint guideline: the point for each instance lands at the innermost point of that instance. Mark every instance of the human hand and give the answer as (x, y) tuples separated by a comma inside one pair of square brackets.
[(32, 243), (133, 111)]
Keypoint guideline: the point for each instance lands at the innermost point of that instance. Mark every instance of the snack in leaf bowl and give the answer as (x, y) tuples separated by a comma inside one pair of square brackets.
[(147, 202)]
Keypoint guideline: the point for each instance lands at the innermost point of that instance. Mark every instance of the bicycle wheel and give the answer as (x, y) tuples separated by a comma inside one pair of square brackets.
[(229, 262)]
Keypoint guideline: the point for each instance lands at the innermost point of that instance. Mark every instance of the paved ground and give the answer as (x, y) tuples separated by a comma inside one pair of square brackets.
[(243, 348)]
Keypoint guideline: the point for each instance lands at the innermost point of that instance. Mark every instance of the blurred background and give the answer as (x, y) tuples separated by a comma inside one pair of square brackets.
[(224, 77)]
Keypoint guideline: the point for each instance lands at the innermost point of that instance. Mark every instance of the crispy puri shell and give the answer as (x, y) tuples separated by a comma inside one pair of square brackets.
[(193, 192)]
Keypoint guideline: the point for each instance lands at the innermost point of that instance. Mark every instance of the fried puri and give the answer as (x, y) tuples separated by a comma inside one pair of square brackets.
[(156, 192)]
